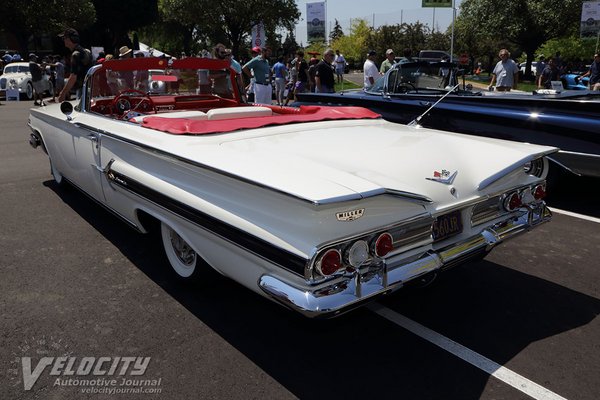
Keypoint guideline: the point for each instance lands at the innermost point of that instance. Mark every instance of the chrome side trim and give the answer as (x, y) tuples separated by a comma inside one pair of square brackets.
[(334, 298)]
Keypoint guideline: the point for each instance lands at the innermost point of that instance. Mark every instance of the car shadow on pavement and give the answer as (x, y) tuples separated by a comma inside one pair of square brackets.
[(494, 310)]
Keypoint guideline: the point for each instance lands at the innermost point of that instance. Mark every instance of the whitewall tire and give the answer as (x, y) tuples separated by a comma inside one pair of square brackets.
[(181, 256)]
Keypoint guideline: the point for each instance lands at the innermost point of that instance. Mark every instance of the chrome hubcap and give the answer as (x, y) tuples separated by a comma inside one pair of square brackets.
[(182, 250)]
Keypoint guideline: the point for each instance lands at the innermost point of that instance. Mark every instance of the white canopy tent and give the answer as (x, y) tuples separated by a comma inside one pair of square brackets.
[(150, 52)]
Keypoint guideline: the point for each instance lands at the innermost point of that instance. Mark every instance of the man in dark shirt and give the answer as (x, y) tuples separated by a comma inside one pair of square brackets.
[(81, 61), (37, 74), (549, 74), (594, 73), (324, 77), (302, 68)]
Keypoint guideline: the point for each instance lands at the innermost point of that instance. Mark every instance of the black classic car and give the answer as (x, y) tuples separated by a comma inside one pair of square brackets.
[(432, 93)]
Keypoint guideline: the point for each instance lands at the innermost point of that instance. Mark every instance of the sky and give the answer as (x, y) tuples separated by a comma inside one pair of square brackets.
[(382, 12)]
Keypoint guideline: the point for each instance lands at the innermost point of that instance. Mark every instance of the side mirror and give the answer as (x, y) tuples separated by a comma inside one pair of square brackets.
[(67, 109)]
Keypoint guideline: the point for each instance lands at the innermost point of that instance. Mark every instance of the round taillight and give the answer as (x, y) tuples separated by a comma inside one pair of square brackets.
[(512, 202), (384, 244), (539, 192), (358, 253), (329, 263)]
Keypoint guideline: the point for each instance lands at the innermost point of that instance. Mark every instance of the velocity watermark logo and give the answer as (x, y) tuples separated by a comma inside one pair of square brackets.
[(106, 374)]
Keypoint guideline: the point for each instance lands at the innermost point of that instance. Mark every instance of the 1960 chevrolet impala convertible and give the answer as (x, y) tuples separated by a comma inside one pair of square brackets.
[(318, 208)]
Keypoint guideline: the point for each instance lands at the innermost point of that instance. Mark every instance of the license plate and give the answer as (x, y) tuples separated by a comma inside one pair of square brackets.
[(447, 225)]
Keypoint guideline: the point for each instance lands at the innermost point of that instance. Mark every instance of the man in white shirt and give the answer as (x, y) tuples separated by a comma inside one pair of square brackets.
[(505, 74), (340, 64), (370, 70)]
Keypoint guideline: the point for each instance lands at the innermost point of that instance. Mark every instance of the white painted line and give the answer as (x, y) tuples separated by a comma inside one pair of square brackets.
[(515, 380), (575, 215)]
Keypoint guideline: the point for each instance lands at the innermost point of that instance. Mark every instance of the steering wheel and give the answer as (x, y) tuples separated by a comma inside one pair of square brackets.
[(122, 102), (405, 87)]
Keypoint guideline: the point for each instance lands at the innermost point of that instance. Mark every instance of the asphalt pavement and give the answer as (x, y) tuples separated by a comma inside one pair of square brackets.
[(78, 283)]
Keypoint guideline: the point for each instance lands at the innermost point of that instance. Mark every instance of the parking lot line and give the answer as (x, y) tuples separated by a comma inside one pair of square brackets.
[(507, 376), (575, 215)]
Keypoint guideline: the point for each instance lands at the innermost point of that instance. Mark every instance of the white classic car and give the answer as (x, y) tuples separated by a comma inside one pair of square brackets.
[(318, 208), (16, 75)]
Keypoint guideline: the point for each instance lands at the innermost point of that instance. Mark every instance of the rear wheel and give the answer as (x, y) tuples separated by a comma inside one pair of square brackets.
[(181, 256)]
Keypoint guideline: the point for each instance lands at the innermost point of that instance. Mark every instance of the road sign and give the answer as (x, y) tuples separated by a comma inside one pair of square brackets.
[(464, 59)]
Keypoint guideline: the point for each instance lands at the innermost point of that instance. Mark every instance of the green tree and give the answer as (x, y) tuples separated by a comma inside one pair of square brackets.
[(354, 46), (571, 48), (290, 45), (116, 18), (337, 32), (524, 23), (236, 18), (36, 17)]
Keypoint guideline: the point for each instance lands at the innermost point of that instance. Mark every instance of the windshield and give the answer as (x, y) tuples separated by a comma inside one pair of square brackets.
[(408, 77), (167, 81), (154, 85), (11, 69)]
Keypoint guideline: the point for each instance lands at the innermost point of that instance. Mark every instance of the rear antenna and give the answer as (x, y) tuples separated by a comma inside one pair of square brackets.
[(416, 121)]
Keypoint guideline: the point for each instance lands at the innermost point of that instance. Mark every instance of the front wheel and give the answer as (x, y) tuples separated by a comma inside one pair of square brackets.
[(29, 91), (181, 256)]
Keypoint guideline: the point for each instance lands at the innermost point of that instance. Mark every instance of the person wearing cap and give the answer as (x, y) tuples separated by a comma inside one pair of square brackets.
[(340, 64), (259, 68), (389, 61), (37, 75), (81, 61), (371, 73), (594, 73), (324, 79)]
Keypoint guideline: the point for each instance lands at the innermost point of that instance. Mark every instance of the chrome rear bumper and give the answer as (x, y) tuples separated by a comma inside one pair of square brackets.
[(396, 271)]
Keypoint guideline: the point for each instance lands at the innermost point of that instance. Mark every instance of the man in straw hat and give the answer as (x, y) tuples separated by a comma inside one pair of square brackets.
[(81, 61), (125, 52)]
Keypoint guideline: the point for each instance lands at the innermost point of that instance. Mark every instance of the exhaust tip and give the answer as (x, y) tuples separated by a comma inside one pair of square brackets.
[(34, 141)]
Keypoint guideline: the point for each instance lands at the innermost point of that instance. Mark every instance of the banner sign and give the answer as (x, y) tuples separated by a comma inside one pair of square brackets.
[(437, 3), (258, 35), (590, 18), (315, 20)]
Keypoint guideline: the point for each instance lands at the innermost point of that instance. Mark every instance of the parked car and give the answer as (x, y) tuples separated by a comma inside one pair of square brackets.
[(320, 209), (434, 55), (17, 75), (567, 119), (523, 67), (572, 82)]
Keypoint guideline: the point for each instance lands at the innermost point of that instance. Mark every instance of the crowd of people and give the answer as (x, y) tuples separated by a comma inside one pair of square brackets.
[(288, 76)]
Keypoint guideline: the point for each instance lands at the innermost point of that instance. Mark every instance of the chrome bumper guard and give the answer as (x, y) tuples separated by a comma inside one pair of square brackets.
[(395, 272)]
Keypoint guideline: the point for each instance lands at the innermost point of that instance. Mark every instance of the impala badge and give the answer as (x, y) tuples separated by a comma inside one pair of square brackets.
[(350, 215), (443, 177)]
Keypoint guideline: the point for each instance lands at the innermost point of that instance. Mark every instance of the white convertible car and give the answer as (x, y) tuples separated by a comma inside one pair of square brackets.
[(318, 208)]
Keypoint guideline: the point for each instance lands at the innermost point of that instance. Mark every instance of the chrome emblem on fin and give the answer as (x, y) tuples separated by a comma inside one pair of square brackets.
[(443, 177)]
